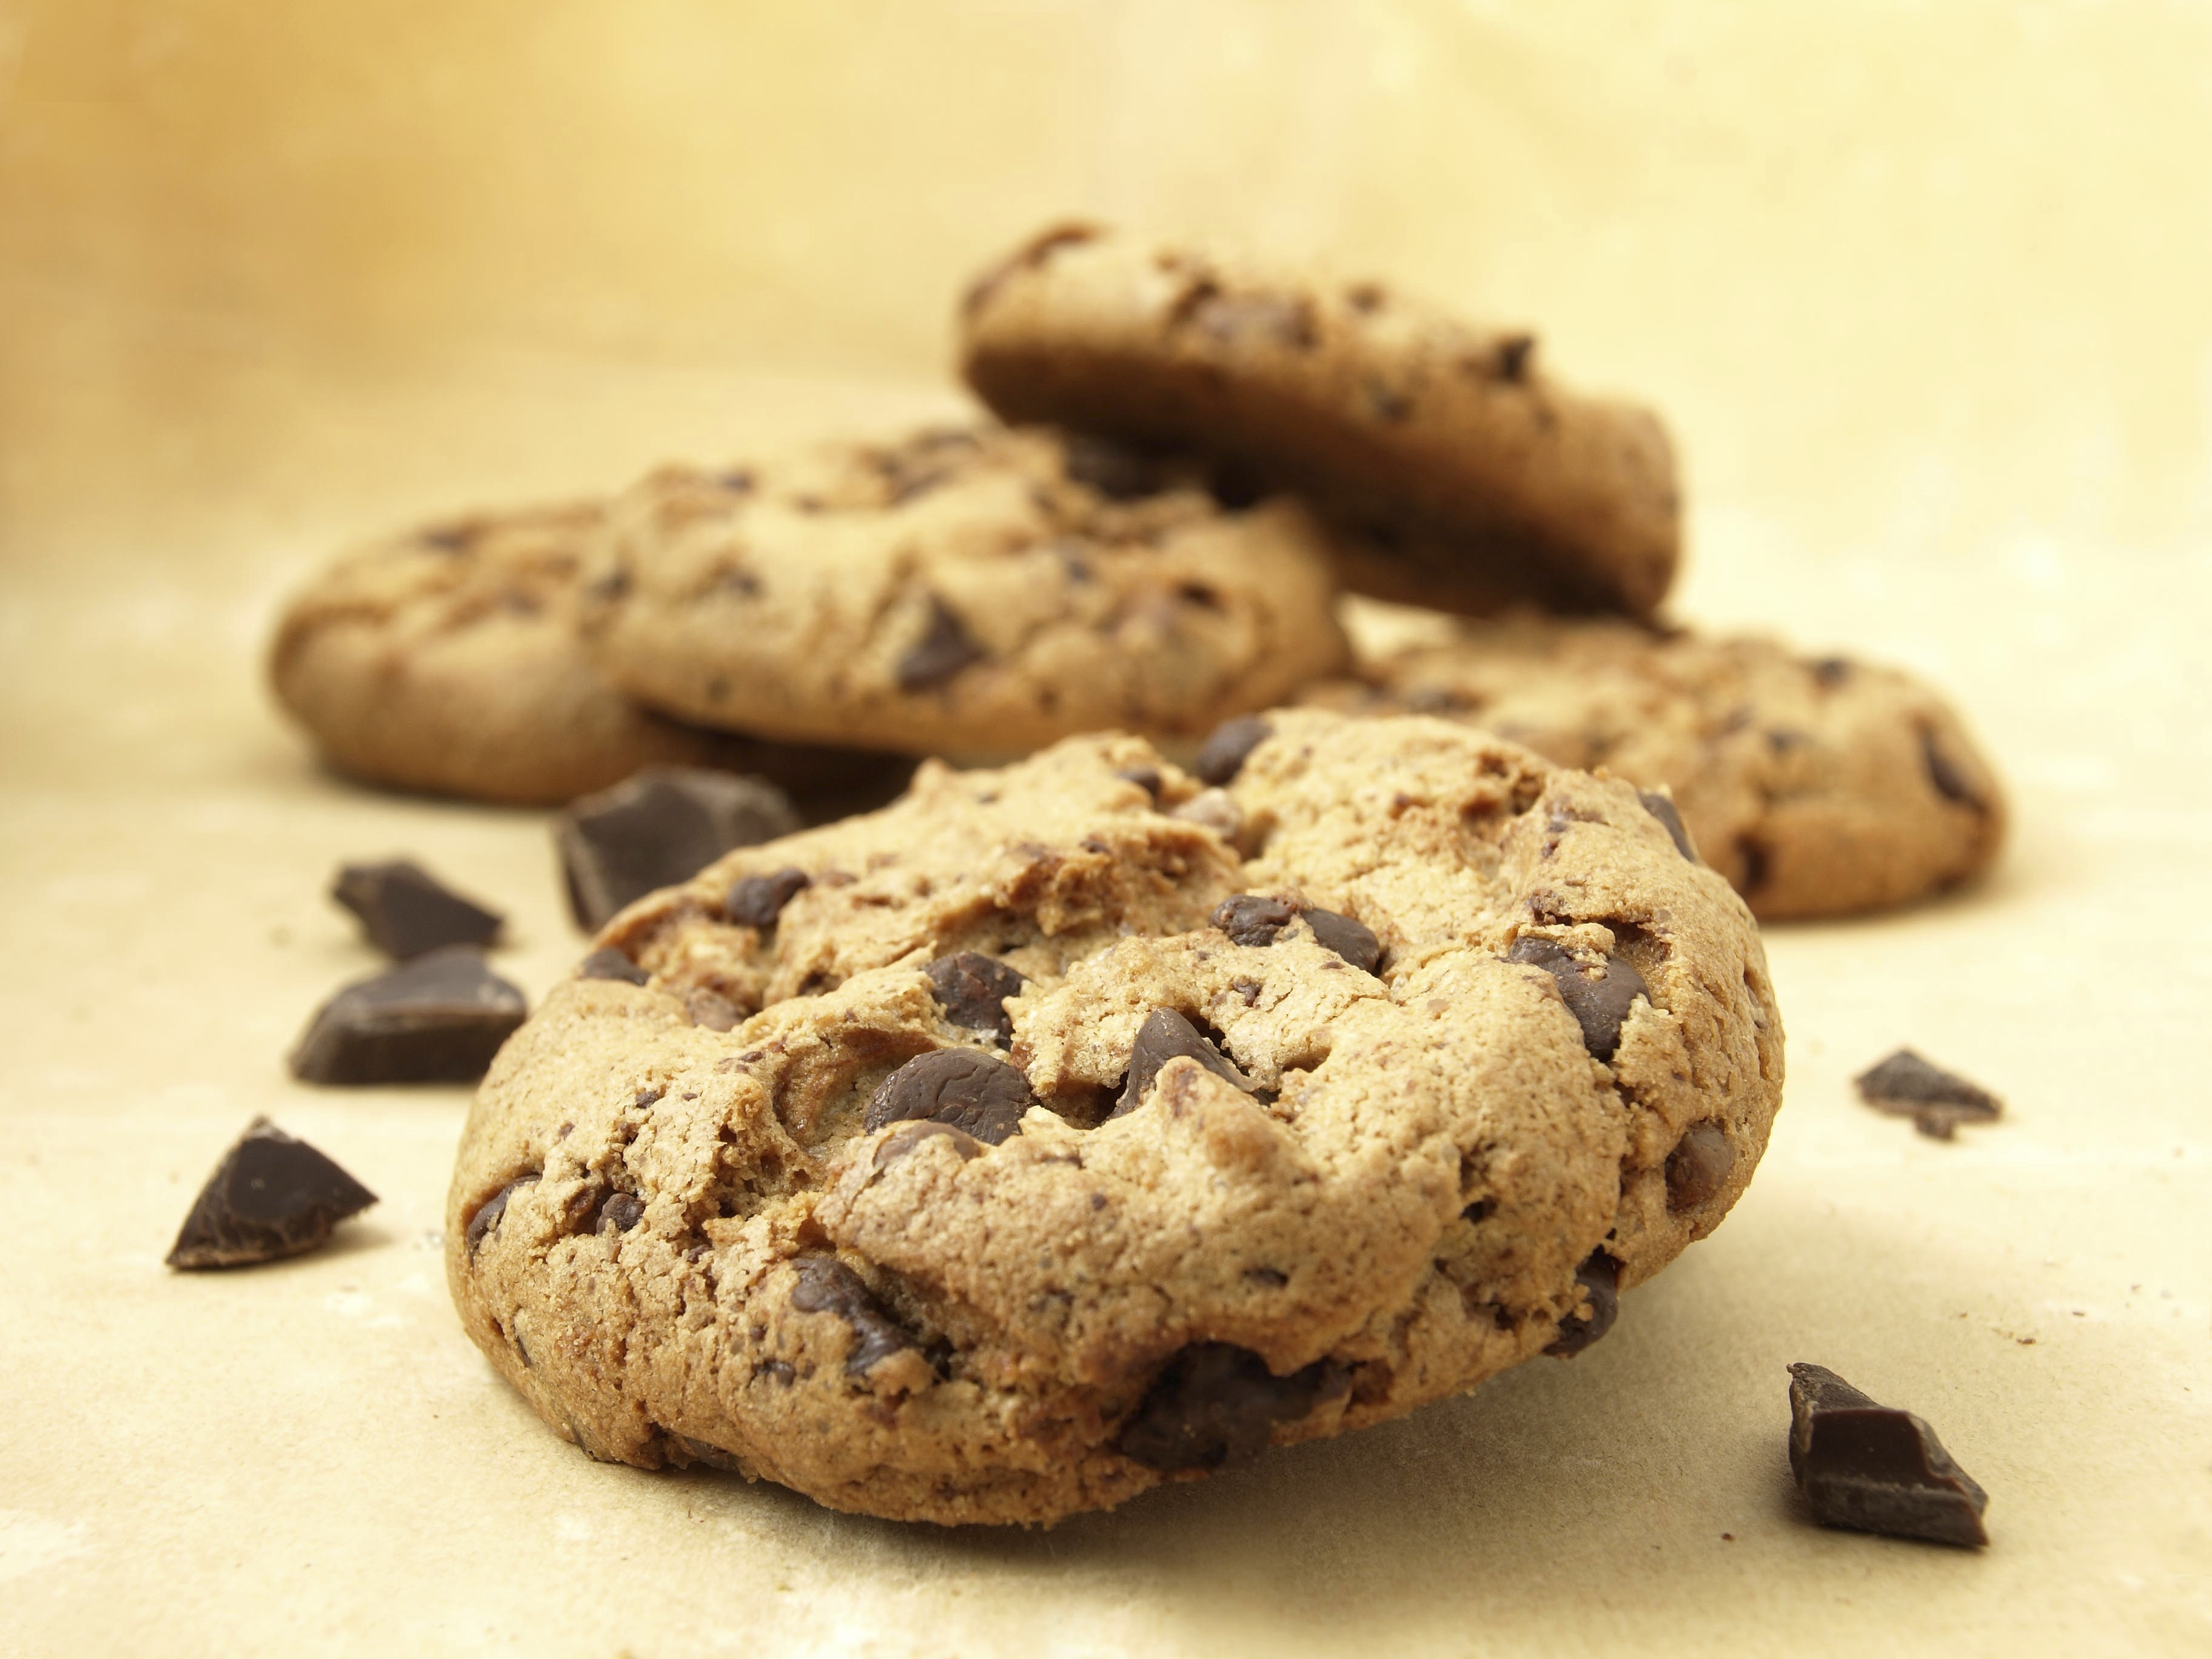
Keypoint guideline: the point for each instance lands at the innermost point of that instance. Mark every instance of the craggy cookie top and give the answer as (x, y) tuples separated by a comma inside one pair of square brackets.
[(974, 592), (1067, 1128), (1817, 785), (1471, 474), (447, 660)]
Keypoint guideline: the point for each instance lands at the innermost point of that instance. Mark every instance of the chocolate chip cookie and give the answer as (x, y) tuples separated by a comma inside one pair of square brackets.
[(1069, 1128), (1465, 475), (1818, 786), (976, 593), (447, 660)]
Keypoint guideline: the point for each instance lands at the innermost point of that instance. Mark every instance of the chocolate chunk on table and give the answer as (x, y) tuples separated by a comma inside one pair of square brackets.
[(407, 911), (271, 1196), (660, 828), (1936, 1101), (1876, 1468), (438, 1019)]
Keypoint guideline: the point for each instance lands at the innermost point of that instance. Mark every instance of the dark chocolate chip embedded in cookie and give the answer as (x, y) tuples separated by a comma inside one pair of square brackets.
[(1463, 474), (976, 593), (1047, 1144)]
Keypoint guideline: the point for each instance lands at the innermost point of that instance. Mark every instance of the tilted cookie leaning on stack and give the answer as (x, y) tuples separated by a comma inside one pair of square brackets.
[(1090, 1127)]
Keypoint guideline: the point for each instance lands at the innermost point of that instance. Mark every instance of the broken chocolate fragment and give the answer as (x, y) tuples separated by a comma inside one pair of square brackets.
[(1600, 1279), (973, 1092), (1352, 940), (1906, 1085), (406, 911), (1599, 1002), (1663, 808), (1147, 778), (438, 1019), (1699, 1166), (490, 1211), (1249, 919), (621, 1212), (1874, 1468), (972, 989), (270, 1197), (607, 963), (942, 652), (660, 828), (828, 1285), (1163, 1035), (758, 901), (1222, 754), (1215, 1403)]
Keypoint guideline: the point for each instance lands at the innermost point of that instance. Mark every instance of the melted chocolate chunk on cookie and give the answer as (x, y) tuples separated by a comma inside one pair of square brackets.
[(1120, 474), (942, 652), (1699, 1166), (972, 989), (488, 1214), (1663, 808), (1147, 778), (1163, 1035), (973, 1092), (1513, 354), (607, 963), (1355, 942), (1222, 757), (660, 828), (1249, 919), (406, 911), (1829, 672), (1215, 1403), (828, 1285), (907, 1136), (1874, 1468), (758, 901), (621, 1212), (1944, 771), (270, 1197), (1936, 1101), (1599, 1003), (1600, 1277), (439, 1019)]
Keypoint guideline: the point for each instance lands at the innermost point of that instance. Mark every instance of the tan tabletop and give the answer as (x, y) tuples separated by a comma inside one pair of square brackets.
[(1924, 299)]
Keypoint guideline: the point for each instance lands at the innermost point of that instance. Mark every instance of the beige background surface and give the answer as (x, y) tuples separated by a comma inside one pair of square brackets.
[(1922, 290)]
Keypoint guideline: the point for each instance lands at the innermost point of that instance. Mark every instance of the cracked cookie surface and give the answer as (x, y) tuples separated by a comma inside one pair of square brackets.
[(1463, 473), (447, 660), (976, 592), (1061, 1130), (1818, 786)]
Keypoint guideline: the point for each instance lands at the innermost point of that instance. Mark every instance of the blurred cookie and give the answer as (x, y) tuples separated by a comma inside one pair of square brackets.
[(1070, 1128), (1465, 476), (446, 660), (1819, 787), (970, 592)]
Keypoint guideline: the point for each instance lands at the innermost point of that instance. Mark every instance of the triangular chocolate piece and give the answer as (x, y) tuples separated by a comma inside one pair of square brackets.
[(271, 1196), (407, 911)]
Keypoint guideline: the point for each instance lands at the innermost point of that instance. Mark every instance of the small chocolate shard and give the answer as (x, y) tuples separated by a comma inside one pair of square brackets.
[(621, 1212), (488, 1213), (942, 652), (1355, 942), (1699, 1165), (1936, 1101), (607, 963), (438, 1019), (758, 901), (1147, 778), (406, 911), (975, 1094), (1599, 1003), (1876, 1468), (1163, 1035), (1117, 473), (828, 1285), (1513, 354), (270, 1197), (660, 828), (1600, 1279), (1252, 919), (1214, 1403), (905, 1137), (972, 989), (1223, 754), (1663, 808)]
